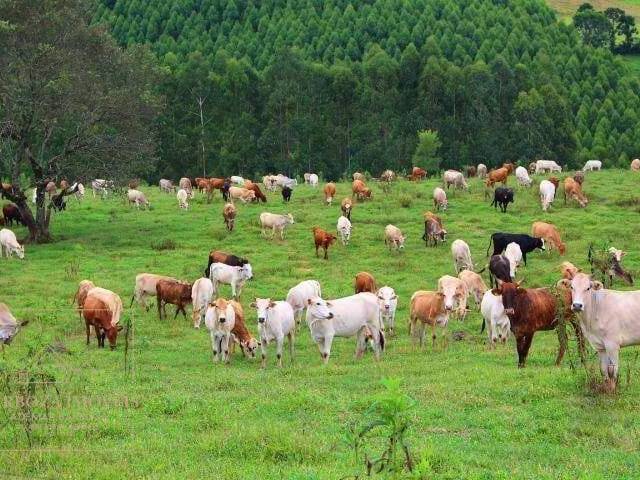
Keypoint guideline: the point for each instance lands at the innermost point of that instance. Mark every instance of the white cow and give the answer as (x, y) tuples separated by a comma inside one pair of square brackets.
[(270, 182), (220, 320), (513, 252), (137, 197), (357, 315), (393, 237), (182, 196), (234, 276), (9, 244), (275, 222), (481, 170), (455, 178), (523, 178), (101, 186), (461, 255), (166, 186), (313, 180), (8, 325), (284, 181), (547, 194), (495, 318), (608, 318), (543, 166), (440, 199), (454, 293), (592, 165), (298, 296), (185, 184), (344, 229), (275, 321), (79, 193), (201, 295), (388, 301), (237, 180), (146, 287)]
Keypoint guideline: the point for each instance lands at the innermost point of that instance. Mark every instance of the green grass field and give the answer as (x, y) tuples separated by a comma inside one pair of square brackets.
[(567, 8), (180, 416)]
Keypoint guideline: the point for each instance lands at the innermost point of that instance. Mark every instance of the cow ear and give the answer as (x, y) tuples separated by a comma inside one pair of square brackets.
[(329, 304), (496, 291), (564, 283), (253, 305), (596, 285), (308, 301), (272, 304)]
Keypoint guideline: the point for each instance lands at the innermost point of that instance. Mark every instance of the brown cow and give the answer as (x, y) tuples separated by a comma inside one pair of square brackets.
[(81, 294), (426, 308), (498, 175), (12, 214), (202, 184), (323, 239), (360, 190), (529, 310), (555, 181), (573, 190), (550, 234), (329, 192), (229, 215), (471, 171), (100, 314), (133, 184), (346, 206), (175, 293), (64, 185), (217, 256), (417, 173), (365, 283), (241, 334), (260, 197), (510, 167), (51, 189), (579, 177)]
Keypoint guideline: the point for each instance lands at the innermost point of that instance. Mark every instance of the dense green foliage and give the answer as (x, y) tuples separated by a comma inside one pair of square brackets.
[(337, 85), (180, 416)]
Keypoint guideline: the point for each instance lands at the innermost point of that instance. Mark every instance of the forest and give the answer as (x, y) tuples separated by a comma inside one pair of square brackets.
[(334, 86)]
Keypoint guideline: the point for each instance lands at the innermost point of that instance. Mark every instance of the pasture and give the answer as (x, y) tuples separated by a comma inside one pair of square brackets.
[(177, 415)]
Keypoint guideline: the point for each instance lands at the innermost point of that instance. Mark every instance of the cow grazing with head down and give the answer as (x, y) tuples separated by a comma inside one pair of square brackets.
[(498, 175), (173, 292), (547, 194), (455, 178), (573, 190), (417, 173), (329, 192), (499, 270), (255, 188), (81, 294), (201, 295), (240, 333), (322, 239), (11, 214), (502, 197), (550, 234), (102, 309), (182, 197), (440, 199), (9, 326), (365, 282), (393, 238), (360, 191), (343, 227), (433, 230), (461, 255), (522, 176), (9, 244), (526, 243), (166, 186), (481, 170)]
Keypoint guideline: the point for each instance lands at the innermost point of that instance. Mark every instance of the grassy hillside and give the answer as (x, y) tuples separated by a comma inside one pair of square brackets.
[(180, 416), (566, 8)]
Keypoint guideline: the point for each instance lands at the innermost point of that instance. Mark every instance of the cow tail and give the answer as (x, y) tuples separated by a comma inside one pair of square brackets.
[(381, 340), (490, 242), (483, 324)]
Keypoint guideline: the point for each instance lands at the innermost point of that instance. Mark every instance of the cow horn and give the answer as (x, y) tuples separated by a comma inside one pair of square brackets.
[(520, 282)]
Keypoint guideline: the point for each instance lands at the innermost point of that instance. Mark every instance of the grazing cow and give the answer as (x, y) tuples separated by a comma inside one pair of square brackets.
[(146, 287), (365, 282), (514, 255), (343, 227), (550, 234), (240, 333), (81, 294), (218, 183), (474, 283), (242, 194), (11, 214), (532, 167), (495, 318), (529, 310), (322, 239), (173, 292), (454, 293), (471, 171), (64, 185), (455, 178), (608, 318), (166, 186), (388, 301), (275, 321), (388, 176), (9, 326), (610, 265), (522, 176), (502, 196), (592, 165), (509, 166), (497, 175), (346, 205), (357, 315), (306, 177), (102, 309), (440, 199), (635, 165), (433, 230), (220, 320), (418, 173), (234, 276), (573, 190), (329, 192), (543, 166), (526, 243), (182, 196), (547, 194), (270, 182), (568, 270), (133, 184), (313, 180), (499, 270), (284, 181), (79, 193), (286, 193), (255, 188), (481, 170), (185, 184), (202, 184), (426, 308), (461, 255), (360, 190), (217, 256), (229, 215), (137, 197), (297, 296), (275, 222), (201, 295), (9, 244), (237, 180), (358, 176), (579, 177), (555, 181), (101, 187), (393, 237)]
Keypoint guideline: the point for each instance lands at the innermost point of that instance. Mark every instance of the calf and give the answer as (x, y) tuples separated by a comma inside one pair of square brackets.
[(526, 243), (494, 316), (220, 320), (329, 192), (11, 214), (522, 176), (242, 194), (547, 194), (393, 237), (9, 244), (499, 270), (454, 293), (514, 255), (201, 295), (275, 223), (346, 205), (529, 310), (359, 190), (343, 227), (229, 215), (426, 308), (173, 292), (298, 295), (433, 231), (275, 321), (241, 335), (234, 276), (388, 301), (550, 234), (182, 196), (502, 196), (573, 190), (322, 239), (440, 199), (102, 309), (365, 282), (217, 256), (145, 286), (286, 193), (474, 283), (461, 255)]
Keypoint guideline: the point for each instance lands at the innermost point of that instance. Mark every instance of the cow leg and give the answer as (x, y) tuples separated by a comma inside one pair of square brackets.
[(263, 349), (225, 346), (177, 311), (317, 250), (159, 308), (613, 364), (291, 337), (523, 343), (279, 344), (561, 349), (524, 258), (88, 325), (214, 345), (326, 257), (361, 342), (326, 349)]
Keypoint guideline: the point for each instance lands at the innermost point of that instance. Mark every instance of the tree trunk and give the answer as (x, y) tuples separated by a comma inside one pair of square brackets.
[(38, 226)]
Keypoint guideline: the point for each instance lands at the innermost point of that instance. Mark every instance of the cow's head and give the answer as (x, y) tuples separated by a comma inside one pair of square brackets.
[(249, 347), (319, 308), (19, 251), (262, 306), (617, 254), (509, 291), (246, 271), (581, 286), (452, 290), (222, 309), (386, 298), (290, 219), (539, 243)]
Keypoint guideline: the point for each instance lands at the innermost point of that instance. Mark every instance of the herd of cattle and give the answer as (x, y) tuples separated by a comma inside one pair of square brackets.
[(606, 317)]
